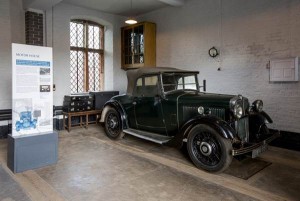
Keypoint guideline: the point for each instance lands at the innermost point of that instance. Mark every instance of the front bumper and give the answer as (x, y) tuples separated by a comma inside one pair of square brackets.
[(250, 148)]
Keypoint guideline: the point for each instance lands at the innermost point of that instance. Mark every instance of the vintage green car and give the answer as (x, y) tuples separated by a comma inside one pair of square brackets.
[(164, 105)]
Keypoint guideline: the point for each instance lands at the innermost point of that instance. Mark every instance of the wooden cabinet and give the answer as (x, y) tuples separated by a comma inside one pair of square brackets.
[(139, 45)]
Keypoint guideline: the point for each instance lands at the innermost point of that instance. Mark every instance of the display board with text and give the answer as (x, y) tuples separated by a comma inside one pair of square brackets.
[(32, 95)]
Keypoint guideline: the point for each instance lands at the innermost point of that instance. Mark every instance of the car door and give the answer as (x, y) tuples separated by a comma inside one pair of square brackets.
[(147, 105)]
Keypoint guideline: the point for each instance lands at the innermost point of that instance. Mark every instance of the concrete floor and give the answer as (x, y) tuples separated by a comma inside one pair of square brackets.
[(93, 167)]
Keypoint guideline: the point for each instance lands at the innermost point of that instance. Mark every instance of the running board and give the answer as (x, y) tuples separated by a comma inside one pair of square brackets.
[(153, 137)]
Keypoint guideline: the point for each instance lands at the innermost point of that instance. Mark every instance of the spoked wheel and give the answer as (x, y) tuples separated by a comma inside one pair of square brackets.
[(208, 150), (113, 125)]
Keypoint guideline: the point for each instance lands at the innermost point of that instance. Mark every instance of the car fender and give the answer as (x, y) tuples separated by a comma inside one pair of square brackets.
[(118, 107), (217, 124), (256, 120), (222, 127), (260, 117)]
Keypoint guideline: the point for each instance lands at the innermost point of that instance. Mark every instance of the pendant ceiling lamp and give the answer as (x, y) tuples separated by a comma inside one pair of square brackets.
[(131, 20)]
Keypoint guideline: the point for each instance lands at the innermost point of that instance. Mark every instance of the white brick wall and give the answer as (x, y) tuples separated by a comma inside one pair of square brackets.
[(251, 33)]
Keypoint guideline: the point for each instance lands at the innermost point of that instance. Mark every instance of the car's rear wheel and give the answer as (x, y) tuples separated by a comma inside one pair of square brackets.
[(113, 125), (208, 150)]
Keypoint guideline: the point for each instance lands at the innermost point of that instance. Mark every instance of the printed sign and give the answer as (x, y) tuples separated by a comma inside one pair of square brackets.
[(32, 94)]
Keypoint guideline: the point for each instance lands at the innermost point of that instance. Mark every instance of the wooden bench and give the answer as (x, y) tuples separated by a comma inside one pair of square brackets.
[(82, 114)]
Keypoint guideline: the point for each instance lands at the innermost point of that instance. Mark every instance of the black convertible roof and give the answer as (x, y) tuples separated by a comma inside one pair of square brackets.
[(133, 75)]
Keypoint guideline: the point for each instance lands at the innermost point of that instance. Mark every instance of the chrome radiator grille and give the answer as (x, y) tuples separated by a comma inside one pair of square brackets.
[(219, 112), (242, 128)]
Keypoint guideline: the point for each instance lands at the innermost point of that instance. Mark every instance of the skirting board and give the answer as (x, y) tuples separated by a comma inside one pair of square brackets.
[(31, 152)]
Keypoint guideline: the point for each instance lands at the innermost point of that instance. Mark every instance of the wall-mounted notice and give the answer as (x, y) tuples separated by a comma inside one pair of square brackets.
[(32, 94)]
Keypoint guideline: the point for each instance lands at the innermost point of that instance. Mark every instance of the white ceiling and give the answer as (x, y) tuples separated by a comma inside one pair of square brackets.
[(118, 7)]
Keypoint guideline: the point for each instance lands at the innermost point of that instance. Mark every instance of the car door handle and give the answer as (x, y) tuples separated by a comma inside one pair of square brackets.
[(134, 103), (157, 98)]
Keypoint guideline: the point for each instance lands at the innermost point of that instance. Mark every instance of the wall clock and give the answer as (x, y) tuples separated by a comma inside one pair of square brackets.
[(213, 52)]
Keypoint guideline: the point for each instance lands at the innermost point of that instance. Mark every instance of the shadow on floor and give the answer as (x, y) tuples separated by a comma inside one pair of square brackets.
[(10, 189)]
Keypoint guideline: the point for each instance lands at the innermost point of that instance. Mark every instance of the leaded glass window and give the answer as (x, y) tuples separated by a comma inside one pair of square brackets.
[(86, 56)]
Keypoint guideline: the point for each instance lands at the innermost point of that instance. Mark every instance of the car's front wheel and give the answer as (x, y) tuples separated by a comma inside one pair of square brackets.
[(208, 150), (113, 125)]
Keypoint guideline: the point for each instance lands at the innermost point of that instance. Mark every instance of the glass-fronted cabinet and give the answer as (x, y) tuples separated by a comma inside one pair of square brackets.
[(139, 45)]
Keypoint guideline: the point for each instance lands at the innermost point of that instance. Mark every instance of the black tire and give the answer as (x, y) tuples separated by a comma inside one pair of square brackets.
[(208, 150), (113, 125)]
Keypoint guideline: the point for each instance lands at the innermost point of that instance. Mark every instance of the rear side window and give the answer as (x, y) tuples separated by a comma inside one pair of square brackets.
[(139, 87), (147, 86)]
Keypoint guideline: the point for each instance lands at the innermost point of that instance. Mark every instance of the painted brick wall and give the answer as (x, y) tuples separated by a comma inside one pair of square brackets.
[(34, 28), (248, 34)]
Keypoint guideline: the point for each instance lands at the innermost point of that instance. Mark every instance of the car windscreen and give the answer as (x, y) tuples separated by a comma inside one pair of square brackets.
[(176, 81)]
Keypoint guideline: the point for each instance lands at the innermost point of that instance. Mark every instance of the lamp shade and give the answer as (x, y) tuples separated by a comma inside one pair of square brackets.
[(130, 21)]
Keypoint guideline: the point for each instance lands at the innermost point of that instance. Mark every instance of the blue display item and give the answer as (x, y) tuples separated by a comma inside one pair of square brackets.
[(26, 121)]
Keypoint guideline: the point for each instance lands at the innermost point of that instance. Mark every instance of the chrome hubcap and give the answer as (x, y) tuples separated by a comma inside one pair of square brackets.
[(112, 123), (205, 148)]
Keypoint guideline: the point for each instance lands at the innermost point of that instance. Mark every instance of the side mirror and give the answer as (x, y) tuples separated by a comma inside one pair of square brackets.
[(203, 86)]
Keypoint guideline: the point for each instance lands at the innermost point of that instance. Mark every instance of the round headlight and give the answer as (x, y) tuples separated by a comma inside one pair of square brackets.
[(201, 110), (258, 105), (238, 111)]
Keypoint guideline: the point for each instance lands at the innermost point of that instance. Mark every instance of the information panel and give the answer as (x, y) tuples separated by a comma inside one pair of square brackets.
[(32, 95)]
